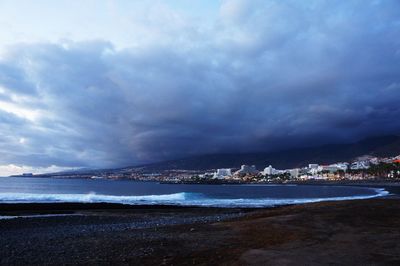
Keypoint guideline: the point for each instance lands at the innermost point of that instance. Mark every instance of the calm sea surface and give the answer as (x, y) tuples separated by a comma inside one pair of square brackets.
[(17, 189)]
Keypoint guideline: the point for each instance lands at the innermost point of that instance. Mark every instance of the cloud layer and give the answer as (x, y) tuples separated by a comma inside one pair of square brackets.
[(261, 75)]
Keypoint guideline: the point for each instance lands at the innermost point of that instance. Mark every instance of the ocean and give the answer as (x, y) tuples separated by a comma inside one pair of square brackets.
[(48, 190)]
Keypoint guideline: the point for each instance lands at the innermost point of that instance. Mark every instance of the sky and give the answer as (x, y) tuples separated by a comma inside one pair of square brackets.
[(104, 83)]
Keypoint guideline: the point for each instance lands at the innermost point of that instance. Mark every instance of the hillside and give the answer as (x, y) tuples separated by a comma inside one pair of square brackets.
[(377, 146)]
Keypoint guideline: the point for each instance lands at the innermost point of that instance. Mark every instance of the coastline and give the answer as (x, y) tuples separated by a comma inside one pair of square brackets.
[(356, 232), (71, 204), (392, 186), (105, 233)]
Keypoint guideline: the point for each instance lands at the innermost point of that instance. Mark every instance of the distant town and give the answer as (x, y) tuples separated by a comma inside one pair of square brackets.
[(362, 168)]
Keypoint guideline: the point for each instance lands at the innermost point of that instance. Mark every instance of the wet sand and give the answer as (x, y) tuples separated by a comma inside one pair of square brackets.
[(359, 232)]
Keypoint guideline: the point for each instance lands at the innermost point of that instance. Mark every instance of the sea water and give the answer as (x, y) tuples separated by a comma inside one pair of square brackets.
[(36, 190)]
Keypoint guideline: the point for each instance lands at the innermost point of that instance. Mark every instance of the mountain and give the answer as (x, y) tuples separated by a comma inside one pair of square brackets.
[(377, 146)]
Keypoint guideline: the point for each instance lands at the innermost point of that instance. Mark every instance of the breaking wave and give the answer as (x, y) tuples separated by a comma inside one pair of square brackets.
[(181, 199)]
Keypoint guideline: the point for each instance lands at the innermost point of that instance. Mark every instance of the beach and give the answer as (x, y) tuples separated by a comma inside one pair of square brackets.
[(356, 232)]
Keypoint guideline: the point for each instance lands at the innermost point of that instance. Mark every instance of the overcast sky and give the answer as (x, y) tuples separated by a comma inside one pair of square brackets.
[(95, 83)]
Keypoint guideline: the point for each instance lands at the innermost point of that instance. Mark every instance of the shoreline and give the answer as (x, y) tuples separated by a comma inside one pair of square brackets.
[(345, 232), (393, 190), (33, 210)]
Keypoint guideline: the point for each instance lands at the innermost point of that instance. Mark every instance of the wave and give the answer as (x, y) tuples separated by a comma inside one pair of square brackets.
[(181, 199), (270, 202), (89, 198)]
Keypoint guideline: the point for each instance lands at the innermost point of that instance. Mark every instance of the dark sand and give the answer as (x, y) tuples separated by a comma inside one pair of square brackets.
[(362, 232)]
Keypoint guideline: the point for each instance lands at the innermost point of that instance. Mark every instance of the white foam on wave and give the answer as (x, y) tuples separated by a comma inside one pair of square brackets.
[(88, 198), (270, 202), (182, 199)]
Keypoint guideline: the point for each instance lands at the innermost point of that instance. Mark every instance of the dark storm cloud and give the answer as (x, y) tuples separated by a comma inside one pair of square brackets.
[(267, 75)]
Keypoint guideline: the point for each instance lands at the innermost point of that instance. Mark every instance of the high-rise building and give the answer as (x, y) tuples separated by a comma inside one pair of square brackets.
[(247, 169), (221, 173), (269, 170)]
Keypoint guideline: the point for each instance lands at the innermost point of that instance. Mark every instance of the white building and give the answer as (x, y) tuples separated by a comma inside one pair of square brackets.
[(360, 165), (269, 170), (294, 172), (328, 168), (222, 173), (313, 168), (207, 175), (247, 169), (374, 160), (341, 166)]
